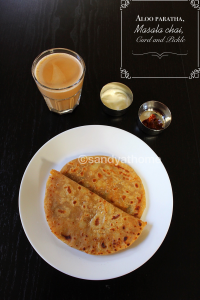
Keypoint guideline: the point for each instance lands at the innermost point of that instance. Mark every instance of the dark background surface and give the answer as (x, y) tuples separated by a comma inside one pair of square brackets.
[(92, 28)]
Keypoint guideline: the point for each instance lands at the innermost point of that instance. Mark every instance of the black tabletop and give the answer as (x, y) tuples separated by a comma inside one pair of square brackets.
[(165, 67)]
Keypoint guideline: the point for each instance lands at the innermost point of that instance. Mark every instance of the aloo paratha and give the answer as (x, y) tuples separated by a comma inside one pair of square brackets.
[(111, 179), (85, 221)]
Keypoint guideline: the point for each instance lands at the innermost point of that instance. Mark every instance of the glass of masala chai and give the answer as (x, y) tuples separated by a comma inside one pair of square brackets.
[(59, 75)]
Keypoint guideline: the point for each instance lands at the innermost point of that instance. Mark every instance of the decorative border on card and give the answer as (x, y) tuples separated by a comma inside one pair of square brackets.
[(195, 4), (124, 4), (124, 74), (194, 74), (160, 55)]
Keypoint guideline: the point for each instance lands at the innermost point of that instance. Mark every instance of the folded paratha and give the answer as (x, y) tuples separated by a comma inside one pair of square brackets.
[(111, 179), (85, 221)]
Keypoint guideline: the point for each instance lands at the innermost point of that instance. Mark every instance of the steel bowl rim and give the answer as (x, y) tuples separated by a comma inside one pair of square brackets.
[(117, 110), (150, 129)]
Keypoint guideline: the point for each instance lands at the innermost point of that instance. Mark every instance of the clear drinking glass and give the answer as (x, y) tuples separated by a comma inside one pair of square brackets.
[(60, 100)]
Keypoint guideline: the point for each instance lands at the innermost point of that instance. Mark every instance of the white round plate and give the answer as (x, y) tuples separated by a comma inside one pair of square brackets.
[(95, 140)]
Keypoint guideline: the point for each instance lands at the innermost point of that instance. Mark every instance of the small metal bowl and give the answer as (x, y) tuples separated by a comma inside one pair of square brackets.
[(116, 86), (161, 111)]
